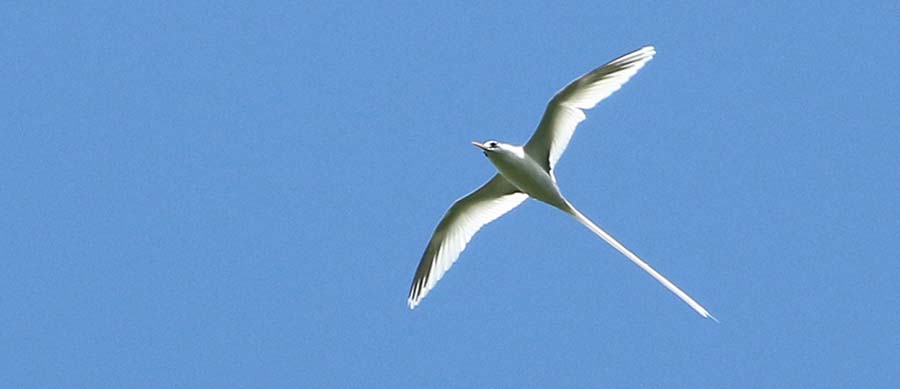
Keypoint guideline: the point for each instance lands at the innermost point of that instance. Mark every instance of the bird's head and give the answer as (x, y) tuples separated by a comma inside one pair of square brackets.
[(495, 150), (488, 146)]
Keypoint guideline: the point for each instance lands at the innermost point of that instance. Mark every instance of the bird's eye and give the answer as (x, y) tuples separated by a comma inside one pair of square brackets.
[(492, 144)]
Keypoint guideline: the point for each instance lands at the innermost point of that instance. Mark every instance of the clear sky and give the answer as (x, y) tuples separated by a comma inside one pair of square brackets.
[(215, 195)]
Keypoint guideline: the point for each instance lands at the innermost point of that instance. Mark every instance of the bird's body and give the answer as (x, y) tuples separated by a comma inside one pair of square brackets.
[(527, 171)]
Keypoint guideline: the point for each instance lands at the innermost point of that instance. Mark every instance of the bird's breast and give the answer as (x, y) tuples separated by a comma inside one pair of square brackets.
[(529, 177)]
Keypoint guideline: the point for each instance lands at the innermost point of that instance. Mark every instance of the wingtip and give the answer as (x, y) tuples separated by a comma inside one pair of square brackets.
[(709, 315), (645, 50)]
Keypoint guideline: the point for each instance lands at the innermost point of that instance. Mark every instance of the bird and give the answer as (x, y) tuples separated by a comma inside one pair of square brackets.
[(527, 171)]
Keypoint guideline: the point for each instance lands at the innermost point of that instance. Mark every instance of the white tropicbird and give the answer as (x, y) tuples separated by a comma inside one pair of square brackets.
[(527, 171)]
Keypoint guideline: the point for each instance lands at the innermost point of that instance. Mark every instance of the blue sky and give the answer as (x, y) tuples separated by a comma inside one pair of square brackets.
[(237, 196)]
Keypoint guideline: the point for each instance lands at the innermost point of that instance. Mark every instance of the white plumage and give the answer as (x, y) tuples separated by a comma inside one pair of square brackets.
[(527, 171)]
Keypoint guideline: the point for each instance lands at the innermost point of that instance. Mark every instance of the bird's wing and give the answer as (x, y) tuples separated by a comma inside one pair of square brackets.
[(464, 218), (565, 109)]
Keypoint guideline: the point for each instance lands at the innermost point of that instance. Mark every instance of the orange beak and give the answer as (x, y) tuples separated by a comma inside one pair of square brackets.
[(480, 146)]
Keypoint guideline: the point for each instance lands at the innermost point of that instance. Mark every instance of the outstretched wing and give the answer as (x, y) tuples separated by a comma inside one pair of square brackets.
[(565, 109), (464, 218)]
